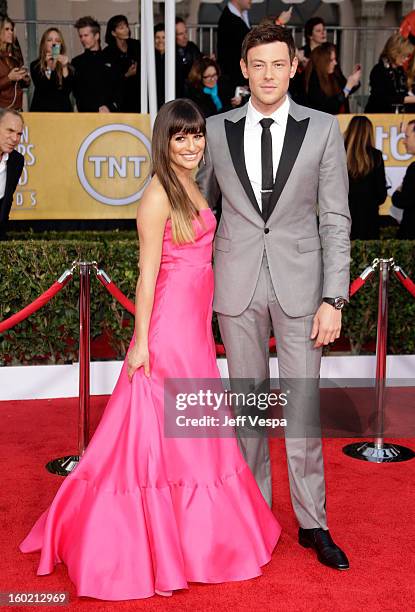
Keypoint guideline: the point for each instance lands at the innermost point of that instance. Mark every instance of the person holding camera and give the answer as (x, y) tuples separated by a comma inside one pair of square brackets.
[(52, 75), (14, 76)]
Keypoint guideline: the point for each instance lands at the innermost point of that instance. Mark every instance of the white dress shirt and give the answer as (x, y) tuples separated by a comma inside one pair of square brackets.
[(243, 15), (252, 143), (3, 173)]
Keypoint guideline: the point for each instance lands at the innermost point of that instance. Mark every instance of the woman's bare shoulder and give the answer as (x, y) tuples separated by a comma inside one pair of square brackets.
[(154, 204)]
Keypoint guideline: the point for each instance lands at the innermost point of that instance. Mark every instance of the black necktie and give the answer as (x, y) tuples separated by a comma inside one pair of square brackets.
[(266, 164)]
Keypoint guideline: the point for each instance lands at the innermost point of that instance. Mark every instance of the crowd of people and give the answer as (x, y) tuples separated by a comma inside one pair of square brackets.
[(108, 80)]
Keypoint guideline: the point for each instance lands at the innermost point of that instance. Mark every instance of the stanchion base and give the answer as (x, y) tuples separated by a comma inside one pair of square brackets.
[(63, 466), (386, 453)]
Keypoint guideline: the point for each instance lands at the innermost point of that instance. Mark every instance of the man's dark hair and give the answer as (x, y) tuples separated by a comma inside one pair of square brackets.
[(88, 22), (180, 20), (159, 27), (113, 23), (265, 34), (310, 25)]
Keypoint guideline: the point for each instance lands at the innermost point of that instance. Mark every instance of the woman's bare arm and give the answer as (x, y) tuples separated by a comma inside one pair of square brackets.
[(152, 214)]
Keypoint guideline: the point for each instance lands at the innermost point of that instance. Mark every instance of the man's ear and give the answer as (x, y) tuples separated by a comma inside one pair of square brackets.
[(294, 67), (243, 68)]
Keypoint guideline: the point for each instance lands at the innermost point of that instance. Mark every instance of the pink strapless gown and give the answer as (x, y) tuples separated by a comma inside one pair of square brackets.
[(142, 511)]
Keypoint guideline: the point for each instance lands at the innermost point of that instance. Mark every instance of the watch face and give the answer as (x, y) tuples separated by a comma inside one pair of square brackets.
[(339, 303)]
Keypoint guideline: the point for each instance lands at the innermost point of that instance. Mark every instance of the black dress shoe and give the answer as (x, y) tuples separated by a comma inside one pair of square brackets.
[(327, 551)]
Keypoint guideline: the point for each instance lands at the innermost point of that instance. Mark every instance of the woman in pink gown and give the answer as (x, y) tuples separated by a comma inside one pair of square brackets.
[(144, 513)]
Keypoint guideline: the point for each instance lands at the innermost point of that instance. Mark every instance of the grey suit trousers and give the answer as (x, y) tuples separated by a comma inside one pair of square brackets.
[(246, 338)]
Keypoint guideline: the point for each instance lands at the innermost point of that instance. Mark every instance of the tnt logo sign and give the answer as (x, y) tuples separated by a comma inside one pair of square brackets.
[(113, 164)]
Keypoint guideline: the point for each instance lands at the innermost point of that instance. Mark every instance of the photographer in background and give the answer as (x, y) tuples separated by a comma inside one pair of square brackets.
[(52, 75), (13, 74)]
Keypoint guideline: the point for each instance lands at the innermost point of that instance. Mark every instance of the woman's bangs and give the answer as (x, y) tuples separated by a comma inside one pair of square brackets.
[(190, 121)]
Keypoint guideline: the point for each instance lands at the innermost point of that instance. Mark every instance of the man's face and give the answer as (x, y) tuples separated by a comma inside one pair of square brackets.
[(88, 39), (410, 139), (268, 70), (181, 35), (11, 130)]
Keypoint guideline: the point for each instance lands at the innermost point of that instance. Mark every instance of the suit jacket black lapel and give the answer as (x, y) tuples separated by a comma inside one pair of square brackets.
[(12, 174), (294, 136), (235, 138)]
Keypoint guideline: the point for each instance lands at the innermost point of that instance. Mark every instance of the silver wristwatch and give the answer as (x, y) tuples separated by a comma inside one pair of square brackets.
[(337, 302)]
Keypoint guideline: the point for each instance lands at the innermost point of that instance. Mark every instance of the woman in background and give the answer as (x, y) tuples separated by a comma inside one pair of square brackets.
[(327, 89), (388, 80), (367, 180), (211, 92), (14, 76), (52, 75), (123, 53)]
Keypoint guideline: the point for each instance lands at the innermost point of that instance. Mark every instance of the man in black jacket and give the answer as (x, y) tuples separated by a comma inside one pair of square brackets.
[(11, 162), (186, 54), (404, 196), (233, 26), (96, 86)]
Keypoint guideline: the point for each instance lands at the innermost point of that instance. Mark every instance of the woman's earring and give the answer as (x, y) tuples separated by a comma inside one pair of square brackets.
[(204, 160)]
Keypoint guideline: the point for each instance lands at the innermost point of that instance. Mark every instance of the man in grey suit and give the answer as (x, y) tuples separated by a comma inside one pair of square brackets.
[(282, 253)]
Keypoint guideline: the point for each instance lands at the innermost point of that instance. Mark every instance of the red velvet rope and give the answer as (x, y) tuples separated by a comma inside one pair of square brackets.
[(117, 294), (406, 282), (220, 349), (357, 284), (34, 306)]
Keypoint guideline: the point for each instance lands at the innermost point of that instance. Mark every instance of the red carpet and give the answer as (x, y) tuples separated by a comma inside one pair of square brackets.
[(370, 510)]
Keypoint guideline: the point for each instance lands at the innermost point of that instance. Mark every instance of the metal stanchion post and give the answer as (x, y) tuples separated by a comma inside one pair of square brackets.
[(84, 356), (379, 451), (64, 465)]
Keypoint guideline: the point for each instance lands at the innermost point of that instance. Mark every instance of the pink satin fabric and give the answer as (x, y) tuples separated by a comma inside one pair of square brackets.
[(142, 511)]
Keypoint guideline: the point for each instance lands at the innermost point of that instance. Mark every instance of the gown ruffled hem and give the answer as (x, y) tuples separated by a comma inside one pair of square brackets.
[(120, 545)]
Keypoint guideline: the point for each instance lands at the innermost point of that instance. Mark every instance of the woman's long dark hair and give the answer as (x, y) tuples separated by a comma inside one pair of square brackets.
[(359, 142), (319, 63), (11, 52), (179, 116), (113, 22)]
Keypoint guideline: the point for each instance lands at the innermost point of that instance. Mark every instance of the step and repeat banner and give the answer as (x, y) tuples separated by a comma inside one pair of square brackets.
[(96, 166), (389, 135), (82, 166)]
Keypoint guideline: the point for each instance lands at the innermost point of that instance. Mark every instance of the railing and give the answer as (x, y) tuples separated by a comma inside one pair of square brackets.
[(357, 44)]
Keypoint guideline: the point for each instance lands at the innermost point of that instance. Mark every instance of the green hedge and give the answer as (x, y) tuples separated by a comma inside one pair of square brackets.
[(28, 267)]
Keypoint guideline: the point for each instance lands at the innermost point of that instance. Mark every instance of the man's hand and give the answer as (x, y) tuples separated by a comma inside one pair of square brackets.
[(104, 109), (327, 324)]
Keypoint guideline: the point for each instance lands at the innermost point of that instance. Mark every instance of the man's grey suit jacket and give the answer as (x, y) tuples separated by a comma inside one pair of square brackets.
[(306, 235)]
